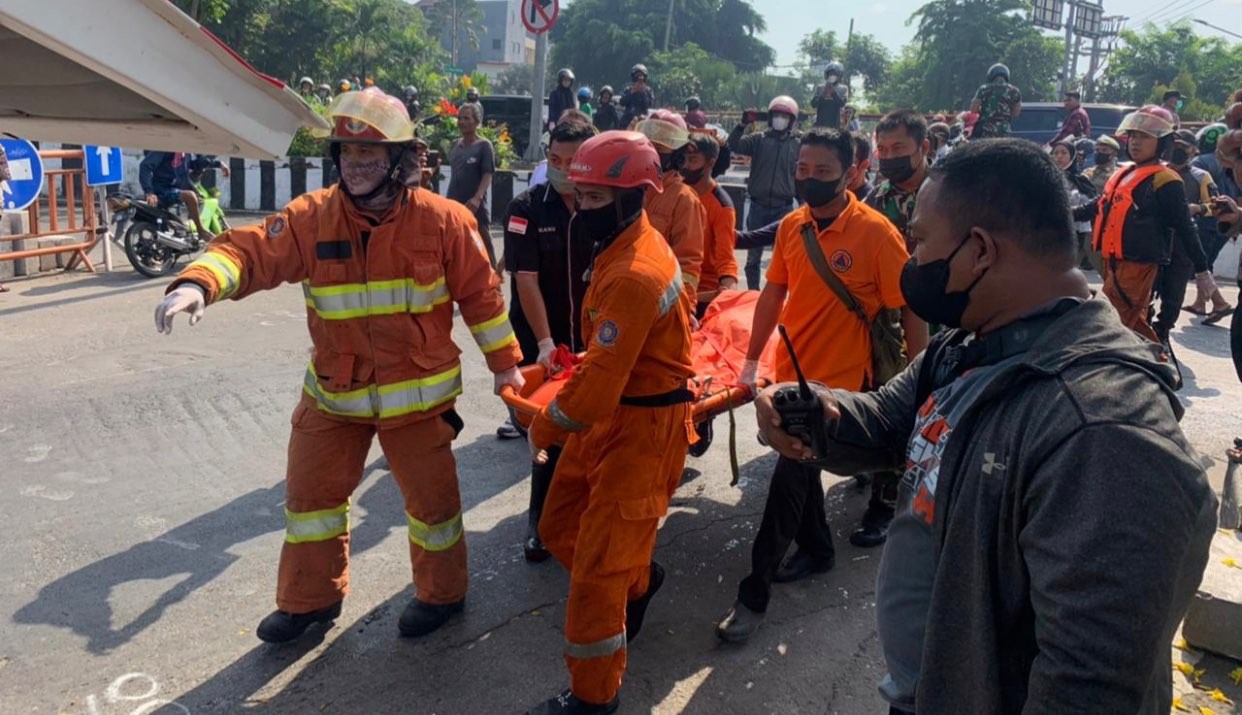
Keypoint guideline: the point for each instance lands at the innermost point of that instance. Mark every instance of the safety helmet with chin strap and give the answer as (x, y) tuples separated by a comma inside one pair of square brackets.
[(369, 117)]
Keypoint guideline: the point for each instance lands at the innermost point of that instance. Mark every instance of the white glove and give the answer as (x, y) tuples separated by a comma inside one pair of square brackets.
[(547, 346), (749, 378), (187, 298), (1205, 283), (512, 377)]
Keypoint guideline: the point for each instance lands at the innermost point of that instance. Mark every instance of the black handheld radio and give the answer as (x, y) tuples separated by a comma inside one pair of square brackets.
[(801, 411)]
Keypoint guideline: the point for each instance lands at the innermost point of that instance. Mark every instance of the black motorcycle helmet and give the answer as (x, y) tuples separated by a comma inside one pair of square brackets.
[(693, 103), (998, 70), (563, 74), (639, 69)]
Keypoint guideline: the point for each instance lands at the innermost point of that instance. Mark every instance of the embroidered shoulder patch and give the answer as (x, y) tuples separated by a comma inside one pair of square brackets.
[(607, 334), (277, 227)]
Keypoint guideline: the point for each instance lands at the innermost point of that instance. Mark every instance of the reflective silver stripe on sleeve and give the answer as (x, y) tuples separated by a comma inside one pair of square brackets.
[(494, 334), (672, 294), (224, 269), (562, 420)]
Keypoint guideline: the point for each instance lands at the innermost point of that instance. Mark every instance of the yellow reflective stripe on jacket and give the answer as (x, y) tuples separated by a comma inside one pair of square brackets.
[(224, 269), (494, 334), (672, 293), (598, 649), (322, 525), (394, 400), (359, 300), (435, 537)]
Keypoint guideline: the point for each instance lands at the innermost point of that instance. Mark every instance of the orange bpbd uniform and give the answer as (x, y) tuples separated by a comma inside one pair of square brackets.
[(677, 214), (627, 429), (867, 253), (719, 238), (379, 300)]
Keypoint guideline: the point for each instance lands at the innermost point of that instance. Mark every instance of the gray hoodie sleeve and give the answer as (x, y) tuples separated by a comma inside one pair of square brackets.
[(874, 427), (1117, 522)]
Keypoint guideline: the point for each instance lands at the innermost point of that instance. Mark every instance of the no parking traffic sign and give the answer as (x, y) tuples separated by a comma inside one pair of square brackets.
[(540, 15)]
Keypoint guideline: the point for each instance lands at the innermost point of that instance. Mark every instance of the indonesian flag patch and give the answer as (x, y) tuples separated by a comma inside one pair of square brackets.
[(518, 225)]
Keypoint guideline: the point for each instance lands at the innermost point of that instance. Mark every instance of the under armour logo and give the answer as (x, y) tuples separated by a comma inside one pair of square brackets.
[(990, 464)]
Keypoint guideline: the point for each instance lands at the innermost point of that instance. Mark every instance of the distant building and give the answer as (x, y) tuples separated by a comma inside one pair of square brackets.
[(503, 39)]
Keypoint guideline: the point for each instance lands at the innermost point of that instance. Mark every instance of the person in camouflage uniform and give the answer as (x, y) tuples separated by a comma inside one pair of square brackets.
[(997, 103)]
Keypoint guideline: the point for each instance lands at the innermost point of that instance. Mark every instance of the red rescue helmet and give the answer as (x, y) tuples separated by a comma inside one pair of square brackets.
[(622, 160), (784, 103)]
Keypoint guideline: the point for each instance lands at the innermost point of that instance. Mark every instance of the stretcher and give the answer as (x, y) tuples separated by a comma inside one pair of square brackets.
[(718, 351)]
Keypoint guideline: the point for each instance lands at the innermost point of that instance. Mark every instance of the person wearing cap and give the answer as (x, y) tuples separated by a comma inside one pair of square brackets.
[(1173, 101), (770, 184), (1201, 192), (676, 211), (1141, 212), (1077, 123), (1107, 149), (623, 419), (383, 268)]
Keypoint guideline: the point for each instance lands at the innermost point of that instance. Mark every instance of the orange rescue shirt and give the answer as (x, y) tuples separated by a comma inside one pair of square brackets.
[(679, 217), (719, 237), (636, 320), (379, 298), (867, 253)]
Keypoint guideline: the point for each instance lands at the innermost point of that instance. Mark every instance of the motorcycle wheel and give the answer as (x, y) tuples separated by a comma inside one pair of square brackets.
[(146, 254)]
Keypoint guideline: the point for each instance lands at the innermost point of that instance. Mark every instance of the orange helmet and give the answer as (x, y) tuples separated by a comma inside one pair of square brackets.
[(368, 117), (623, 160), (1151, 119)]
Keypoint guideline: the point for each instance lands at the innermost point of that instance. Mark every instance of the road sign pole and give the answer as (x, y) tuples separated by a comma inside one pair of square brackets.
[(533, 150), (105, 221)]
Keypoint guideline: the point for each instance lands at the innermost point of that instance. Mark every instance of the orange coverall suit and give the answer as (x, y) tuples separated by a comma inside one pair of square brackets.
[(719, 238), (679, 217), (379, 300), (622, 462)]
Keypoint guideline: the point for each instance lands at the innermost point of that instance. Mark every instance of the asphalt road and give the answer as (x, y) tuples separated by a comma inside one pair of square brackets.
[(142, 497)]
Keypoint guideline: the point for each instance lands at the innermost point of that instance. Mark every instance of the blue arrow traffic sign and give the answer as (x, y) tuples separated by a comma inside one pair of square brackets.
[(103, 165), (27, 169)]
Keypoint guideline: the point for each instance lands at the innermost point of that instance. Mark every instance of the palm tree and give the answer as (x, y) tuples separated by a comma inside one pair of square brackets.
[(464, 17)]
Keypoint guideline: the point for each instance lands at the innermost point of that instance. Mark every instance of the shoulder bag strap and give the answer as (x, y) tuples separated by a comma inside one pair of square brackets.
[(820, 262)]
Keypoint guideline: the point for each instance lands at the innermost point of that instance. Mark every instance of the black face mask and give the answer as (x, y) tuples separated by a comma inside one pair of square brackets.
[(817, 193), (925, 290), (897, 169), (601, 225), (692, 177), (1180, 157), (1102, 159)]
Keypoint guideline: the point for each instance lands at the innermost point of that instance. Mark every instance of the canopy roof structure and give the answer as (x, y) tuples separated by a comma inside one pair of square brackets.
[(140, 74)]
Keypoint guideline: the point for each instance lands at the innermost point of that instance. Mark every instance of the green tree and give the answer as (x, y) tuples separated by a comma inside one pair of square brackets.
[(463, 22), (602, 39), (689, 71), (1153, 59)]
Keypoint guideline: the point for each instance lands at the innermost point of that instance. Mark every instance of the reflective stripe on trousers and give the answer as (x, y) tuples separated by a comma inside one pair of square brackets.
[(436, 537), (319, 525), (360, 300), (394, 400), (494, 334), (225, 270), (598, 649)]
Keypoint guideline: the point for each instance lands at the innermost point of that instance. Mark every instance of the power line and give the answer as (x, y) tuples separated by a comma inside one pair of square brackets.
[(1171, 10), (1194, 9)]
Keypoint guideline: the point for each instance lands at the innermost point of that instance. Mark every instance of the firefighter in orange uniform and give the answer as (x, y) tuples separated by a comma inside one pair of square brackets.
[(676, 211), (381, 267), (624, 418), (719, 264)]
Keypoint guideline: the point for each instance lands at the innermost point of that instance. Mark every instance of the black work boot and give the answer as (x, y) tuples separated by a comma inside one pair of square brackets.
[(568, 704), (282, 626), (873, 531), (803, 565), (636, 610), (419, 619), (705, 432), (540, 482)]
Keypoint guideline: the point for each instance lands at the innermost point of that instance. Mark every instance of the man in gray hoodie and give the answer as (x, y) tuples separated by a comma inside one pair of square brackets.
[(1053, 522)]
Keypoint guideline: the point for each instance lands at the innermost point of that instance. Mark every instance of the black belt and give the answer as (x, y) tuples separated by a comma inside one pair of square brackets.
[(680, 396)]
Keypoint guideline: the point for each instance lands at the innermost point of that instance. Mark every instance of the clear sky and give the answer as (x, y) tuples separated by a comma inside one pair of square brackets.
[(790, 20)]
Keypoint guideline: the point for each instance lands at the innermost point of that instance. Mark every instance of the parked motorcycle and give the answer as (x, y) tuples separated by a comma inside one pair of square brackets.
[(157, 238)]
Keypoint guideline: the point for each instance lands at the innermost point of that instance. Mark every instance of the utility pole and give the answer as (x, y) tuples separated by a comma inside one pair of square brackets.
[(668, 26), (536, 100), (1068, 71), (455, 31), (848, 39)]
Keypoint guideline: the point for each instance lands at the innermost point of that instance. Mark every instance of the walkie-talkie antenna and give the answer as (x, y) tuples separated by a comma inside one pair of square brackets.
[(793, 357)]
